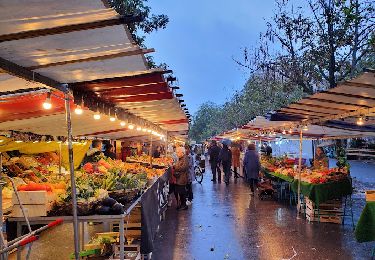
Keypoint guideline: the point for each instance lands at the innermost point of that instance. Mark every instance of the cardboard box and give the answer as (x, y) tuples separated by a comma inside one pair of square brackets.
[(370, 195), (30, 210), (31, 197)]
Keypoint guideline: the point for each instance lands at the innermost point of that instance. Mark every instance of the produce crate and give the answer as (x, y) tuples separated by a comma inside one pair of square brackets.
[(35, 203), (370, 195), (132, 252), (328, 212), (133, 227)]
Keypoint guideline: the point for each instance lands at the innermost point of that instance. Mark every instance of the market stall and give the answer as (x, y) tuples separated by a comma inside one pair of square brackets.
[(346, 111), (80, 57)]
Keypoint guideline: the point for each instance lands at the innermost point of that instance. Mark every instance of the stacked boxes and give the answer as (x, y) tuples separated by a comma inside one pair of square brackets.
[(330, 212)]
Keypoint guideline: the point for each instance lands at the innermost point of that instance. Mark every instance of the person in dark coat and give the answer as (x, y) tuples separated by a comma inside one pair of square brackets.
[(109, 152), (225, 157), (214, 152), (181, 172), (252, 166)]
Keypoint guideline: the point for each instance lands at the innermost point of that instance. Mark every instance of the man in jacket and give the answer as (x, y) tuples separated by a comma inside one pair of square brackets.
[(225, 157), (214, 152)]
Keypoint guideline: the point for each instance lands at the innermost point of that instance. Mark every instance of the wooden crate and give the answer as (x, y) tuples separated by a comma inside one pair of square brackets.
[(370, 195), (328, 212)]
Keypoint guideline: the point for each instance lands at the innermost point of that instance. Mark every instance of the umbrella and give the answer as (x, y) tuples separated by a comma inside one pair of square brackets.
[(227, 142)]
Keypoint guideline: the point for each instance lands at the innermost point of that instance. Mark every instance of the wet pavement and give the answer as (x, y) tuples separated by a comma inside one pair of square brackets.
[(225, 222)]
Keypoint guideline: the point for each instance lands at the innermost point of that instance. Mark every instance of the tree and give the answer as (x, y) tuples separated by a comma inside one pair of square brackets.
[(152, 22), (315, 48), (259, 96)]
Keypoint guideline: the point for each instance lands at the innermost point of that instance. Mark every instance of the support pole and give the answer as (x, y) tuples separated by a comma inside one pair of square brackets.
[(72, 176), (151, 150), (299, 173), (2, 242), (60, 159), (166, 145)]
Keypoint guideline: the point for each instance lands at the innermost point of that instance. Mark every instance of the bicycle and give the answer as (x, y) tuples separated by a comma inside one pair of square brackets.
[(199, 168)]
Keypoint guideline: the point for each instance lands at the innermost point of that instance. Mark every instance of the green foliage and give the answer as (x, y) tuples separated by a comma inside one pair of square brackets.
[(259, 96), (151, 23)]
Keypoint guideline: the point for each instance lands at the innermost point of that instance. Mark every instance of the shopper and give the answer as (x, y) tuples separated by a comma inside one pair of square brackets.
[(181, 169), (236, 153), (214, 152), (191, 176), (225, 157), (109, 151), (252, 166)]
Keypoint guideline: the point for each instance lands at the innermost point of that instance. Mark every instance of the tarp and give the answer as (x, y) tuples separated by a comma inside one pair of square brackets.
[(79, 149)]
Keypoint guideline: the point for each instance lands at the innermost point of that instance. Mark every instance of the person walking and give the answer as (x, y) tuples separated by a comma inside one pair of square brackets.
[(236, 153), (225, 157), (191, 176), (252, 166), (181, 169), (214, 152)]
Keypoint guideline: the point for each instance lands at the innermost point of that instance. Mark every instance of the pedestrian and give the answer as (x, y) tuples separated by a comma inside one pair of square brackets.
[(252, 166), (236, 153), (214, 152), (225, 157), (191, 176), (181, 169)]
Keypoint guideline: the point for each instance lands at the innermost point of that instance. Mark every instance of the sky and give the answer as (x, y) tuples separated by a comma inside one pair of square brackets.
[(201, 40)]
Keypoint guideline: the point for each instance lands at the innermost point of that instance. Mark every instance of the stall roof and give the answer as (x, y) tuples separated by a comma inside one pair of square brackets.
[(329, 114), (85, 44)]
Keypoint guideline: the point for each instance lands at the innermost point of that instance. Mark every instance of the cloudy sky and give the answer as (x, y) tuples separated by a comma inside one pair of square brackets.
[(202, 38)]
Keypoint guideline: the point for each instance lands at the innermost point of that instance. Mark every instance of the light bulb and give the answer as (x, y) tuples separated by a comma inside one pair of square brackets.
[(144, 130), (131, 126), (47, 103), (149, 131), (284, 132), (139, 128), (78, 110), (360, 121), (305, 128), (97, 116), (112, 119), (290, 130), (122, 123)]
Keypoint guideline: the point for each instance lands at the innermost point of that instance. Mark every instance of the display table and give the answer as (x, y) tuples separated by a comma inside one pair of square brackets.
[(278, 175), (81, 219), (319, 193), (365, 229)]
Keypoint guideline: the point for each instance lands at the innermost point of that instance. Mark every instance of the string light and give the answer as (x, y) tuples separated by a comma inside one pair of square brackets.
[(112, 119), (131, 126), (139, 128), (148, 130), (97, 115), (144, 130), (360, 121), (284, 131), (122, 123), (305, 128), (290, 130), (47, 103), (78, 110)]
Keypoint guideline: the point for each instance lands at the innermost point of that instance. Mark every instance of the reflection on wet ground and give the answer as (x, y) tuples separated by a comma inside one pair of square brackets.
[(225, 222)]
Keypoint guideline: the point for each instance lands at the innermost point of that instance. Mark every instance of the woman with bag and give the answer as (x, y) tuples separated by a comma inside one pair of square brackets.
[(181, 169), (251, 164)]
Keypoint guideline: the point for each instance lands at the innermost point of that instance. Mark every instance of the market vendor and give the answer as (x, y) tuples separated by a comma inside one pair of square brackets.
[(95, 150), (320, 160), (109, 151)]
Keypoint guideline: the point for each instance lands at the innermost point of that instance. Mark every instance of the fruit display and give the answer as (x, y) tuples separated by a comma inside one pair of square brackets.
[(285, 167), (102, 187), (145, 159)]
